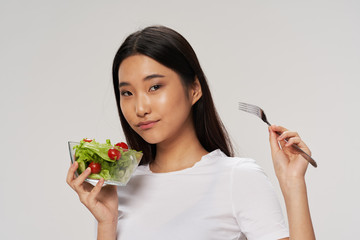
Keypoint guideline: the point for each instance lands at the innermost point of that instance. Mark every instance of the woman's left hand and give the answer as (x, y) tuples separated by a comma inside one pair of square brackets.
[(288, 162), (290, 168)]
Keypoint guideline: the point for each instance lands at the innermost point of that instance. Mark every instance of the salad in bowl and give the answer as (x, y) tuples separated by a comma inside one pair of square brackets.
[(114, 163)]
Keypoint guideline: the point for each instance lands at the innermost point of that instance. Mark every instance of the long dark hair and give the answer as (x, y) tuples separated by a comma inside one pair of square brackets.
[(172, 50)]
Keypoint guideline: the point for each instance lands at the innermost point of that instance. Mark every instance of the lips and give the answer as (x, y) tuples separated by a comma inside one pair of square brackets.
[(147, 124)]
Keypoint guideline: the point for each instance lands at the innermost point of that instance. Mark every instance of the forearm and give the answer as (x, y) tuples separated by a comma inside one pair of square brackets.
[(106, 231), (297, 207)]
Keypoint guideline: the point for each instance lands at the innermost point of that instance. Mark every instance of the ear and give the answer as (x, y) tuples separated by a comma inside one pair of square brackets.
[(195, 92)]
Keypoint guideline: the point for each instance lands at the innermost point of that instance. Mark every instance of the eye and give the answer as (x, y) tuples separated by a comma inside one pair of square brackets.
[(125, 93), (155, 87)]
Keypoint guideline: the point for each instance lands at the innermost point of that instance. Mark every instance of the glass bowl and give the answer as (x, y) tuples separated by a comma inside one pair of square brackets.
[(120, 171)]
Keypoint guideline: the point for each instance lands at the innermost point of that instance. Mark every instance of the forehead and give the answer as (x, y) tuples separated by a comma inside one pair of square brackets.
[(140, 66)]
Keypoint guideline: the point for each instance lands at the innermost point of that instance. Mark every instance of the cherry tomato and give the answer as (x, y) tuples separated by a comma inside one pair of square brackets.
[(95, 167), (114, 154), (122, 145), (87, 140)]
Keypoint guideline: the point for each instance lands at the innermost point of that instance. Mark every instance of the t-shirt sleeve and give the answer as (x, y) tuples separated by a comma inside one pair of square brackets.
[(255, 204)]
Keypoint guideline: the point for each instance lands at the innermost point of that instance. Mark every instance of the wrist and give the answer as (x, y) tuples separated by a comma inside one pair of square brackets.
[(108, 219), (108, 223), (290, 184), (107, 230)]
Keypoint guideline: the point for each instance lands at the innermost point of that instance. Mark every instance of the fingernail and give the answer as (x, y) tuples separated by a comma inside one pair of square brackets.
[(88, 169)]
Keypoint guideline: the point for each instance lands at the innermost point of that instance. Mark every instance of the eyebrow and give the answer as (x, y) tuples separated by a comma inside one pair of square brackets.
[(149, 77)]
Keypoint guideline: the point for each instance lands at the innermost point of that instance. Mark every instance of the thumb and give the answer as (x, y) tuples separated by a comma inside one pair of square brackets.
[(274, 144)]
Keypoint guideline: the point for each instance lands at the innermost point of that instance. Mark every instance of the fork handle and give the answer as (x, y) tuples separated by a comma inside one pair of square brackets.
[(304, 154)]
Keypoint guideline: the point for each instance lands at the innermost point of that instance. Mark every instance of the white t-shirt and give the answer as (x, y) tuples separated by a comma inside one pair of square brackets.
[(218, 198)]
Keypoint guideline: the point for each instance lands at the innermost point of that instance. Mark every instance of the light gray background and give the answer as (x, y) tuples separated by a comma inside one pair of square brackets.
[(299, 60)]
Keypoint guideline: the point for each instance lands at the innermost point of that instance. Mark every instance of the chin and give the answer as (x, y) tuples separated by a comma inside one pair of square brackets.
[(151, 139)]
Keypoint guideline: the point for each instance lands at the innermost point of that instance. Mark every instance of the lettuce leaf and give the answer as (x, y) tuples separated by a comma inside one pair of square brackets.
[(87, 152)]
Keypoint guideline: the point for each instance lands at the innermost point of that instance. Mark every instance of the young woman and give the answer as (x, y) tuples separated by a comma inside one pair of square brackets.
[(188, 184)]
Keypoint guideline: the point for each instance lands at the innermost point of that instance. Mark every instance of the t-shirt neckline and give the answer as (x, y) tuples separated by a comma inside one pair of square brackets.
[(214, 153)]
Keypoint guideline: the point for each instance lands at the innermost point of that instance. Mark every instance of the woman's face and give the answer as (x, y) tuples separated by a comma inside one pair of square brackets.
[(153, 99)]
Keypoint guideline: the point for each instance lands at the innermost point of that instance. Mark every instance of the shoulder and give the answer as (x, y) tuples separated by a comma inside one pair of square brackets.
[(244, 173), (236, 164)]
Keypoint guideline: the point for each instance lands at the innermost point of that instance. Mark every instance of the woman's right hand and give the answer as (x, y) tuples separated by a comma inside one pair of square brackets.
[(101, 201)]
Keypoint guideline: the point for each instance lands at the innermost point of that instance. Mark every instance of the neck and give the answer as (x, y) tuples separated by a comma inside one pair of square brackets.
[(181, 152)]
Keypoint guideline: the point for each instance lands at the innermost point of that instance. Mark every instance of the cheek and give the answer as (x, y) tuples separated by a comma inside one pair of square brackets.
[(174, 105), (165, 101), (125, 109)]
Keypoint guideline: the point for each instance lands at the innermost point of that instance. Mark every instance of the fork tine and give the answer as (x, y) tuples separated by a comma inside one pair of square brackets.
[(250, 108), (247, 106), (253, 109)]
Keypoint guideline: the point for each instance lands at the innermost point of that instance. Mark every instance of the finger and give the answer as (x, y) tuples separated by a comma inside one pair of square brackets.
[(95, 191), (274, 144), (287, 135), (278, 129), (292, 141), (81, 178), (71, 173), (284, 134), (300, 143), (281, 144)]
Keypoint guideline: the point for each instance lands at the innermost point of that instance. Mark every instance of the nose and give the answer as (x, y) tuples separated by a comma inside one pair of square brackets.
[(142, 107)]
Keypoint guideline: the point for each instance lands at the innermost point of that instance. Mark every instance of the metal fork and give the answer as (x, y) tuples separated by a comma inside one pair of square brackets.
[(261, 114)]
